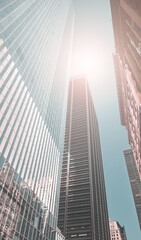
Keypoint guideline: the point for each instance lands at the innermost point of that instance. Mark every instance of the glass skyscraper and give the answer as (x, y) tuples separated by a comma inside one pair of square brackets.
[(83, 210), (35, 48)]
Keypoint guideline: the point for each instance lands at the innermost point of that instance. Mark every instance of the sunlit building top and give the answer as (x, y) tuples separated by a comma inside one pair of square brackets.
[(116, 231)]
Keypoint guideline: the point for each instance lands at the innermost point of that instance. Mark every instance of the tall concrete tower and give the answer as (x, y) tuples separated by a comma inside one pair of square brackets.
[(83, 206)]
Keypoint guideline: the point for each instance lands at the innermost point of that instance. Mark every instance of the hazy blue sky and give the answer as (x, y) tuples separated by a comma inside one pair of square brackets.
[(94, 38)]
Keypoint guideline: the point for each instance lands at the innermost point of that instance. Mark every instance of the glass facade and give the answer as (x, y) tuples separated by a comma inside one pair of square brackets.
[(83, 210), (35, 49), (135, 181)]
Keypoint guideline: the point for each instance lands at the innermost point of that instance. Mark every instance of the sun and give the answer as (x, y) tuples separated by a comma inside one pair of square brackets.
[(82, 63), (91, 60), (86, 64)]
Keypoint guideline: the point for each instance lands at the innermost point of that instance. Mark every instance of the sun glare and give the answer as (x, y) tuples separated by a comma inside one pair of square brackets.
[(93, 63), (86, 64)]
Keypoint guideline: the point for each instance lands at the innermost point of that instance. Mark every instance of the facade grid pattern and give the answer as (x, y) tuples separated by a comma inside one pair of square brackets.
[(134, 181), (35, 47), (126, 16), (83, 207)]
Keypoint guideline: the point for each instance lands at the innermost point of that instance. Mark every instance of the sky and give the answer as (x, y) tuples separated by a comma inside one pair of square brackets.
[(92, 54)]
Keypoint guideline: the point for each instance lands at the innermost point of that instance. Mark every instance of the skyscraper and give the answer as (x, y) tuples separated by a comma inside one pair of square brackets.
[(126, 17), (116, 231), (83, 206), (35, 47), (134, 181)]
